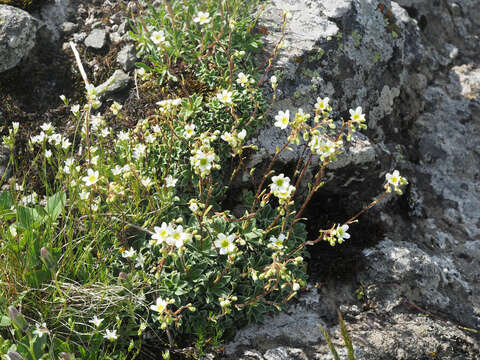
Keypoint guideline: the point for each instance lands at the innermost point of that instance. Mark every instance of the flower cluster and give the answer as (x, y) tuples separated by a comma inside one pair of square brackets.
[(281, 188), (323, 146), (203, 158), (235, 139), (396, 181), (338, 235), (170, 235)]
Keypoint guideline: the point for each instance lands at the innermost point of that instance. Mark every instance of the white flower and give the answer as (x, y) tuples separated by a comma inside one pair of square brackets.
[(202, 18), (117, 170), (225, 243), (147, 182), (96, 321), (150, 139), (111, 335), (356, 115), (65, 143), (394, 178), (161, 234), (279, 182), (241, 135), (296, 286), (282, 119), (129, 253), (48, 154), (189, 131), (140, 261), (227, 137), (170, 181), (274, 81), (242, 79), (225, 97), (75, 109), (139, 151), (123, 136), (15, 126), (277, 243), (203, 161), (115, 108), (41, 330), (105, 132), (84, 195), (341, 233), (396, 181), (55, 139), (160, 305), (158, 37), (322, 104), (63, 98), (193, 206), (47, 127), (91, 178), (177, 237)]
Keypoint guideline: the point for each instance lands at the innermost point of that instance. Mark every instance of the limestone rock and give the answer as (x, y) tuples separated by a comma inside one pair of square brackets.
[(97, 39), (127, 57), (17, 36), (115, 83)]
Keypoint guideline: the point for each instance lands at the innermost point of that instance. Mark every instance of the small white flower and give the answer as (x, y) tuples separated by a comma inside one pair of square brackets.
[(225, 97), (277, 243), (140, 261), (63, 98), (274, 81), (225, 243), (139, 151), (75, 109), (48, 154), (111, 334), (147, 182), (322, 104), (356, 115), (66, 143), (296, 286), (127, 254), (123, 136), (161, 233), (105, 132), (282, 119), (242, 79), (241, 135), (47, 127), (41, 330), (96, 321), (84, 195), (115, 108), (15, 126), (341, 233), (91, 178), (202, 18), (394, 178), (160, 305), (189, 131), (158, 37), (150, 139), (117, 170), (170, 181)]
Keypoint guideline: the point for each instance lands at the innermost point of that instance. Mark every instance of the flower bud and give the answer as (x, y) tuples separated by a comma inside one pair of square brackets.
[(17, 318), (66, 356), (47, 259)]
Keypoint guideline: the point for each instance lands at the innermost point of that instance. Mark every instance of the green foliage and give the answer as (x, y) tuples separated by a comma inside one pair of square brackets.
[(346, 339), (129, 238)]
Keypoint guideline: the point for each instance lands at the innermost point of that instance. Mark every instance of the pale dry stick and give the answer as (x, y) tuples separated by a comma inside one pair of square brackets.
[(79, 63)]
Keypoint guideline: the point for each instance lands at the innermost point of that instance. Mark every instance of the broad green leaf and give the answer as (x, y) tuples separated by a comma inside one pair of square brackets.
[(5, 200), (55, 205)]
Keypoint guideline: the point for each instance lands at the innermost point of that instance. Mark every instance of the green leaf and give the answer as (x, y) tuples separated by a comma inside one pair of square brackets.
[(55, 205), (346, 337), (5, 321), (329, 343), (5, 200), (27, 217)]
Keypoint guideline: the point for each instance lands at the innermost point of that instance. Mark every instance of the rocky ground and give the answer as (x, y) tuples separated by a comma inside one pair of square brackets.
[(407, 281)]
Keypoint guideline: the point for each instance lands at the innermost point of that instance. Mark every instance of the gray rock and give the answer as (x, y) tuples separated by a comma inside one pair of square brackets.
[(68, 28), (117, 82), (17, 36), (79, 37), (97, 39), (127, 57)]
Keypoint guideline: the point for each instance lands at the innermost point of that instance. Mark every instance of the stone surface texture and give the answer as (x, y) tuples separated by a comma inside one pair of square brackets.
[(414, 67), (17, 36)]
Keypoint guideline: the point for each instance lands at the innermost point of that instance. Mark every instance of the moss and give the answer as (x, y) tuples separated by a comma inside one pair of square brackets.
[(27, 5)]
